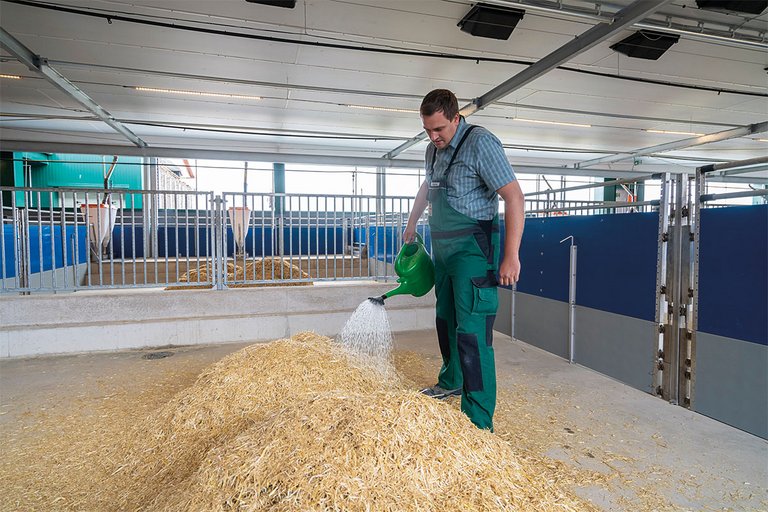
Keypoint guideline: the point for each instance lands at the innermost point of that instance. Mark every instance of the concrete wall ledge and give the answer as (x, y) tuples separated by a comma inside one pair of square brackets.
[(116, 320)]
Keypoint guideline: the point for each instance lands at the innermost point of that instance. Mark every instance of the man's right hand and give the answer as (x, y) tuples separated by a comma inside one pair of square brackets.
[(409, 235)]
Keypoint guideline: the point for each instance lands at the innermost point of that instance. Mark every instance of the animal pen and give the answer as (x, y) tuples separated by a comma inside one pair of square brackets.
[(634, 290)]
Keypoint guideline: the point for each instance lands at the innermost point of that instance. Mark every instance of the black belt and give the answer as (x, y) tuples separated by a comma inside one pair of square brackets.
[(439, 235)]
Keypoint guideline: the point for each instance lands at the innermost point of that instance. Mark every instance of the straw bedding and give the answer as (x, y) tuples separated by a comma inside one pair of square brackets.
[(261, 269), (295, 425)]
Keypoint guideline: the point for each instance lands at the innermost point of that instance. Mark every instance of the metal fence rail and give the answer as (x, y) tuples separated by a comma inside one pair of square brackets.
[(67, 239)]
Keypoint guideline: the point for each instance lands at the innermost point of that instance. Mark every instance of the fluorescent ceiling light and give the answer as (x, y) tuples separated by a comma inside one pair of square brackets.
[(558, 123), (761, 140), (198, 93), (672, 132), (384, 109), (13, 77)]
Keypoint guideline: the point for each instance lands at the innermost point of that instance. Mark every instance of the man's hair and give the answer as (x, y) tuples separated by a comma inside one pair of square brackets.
[(440, 100)]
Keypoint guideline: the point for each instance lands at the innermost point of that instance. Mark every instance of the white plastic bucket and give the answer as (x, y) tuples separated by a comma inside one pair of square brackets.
[(101, 220), (240, 218)]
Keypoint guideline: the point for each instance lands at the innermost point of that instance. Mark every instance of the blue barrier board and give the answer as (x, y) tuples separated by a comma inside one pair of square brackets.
[(733, 272), (616, 261)]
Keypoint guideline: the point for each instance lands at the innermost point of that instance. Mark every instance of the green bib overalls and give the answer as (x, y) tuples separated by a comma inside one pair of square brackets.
[(466, 255)]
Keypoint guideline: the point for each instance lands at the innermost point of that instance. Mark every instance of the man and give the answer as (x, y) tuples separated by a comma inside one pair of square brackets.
[(466, 172)]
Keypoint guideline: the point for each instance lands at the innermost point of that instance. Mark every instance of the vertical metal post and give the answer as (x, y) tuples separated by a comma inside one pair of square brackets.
[(693, 319), (278, 206), (682, 311), (676, 355), (150, 236), (219, 249), (571, 300), (381, 192), (674, 251), (512, 316), (661, 332)]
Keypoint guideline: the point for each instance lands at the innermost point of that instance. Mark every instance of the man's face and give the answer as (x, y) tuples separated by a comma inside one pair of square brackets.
[(440, 129)]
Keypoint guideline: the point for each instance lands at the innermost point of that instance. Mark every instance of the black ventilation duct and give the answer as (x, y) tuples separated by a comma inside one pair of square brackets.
[(645, 44), (288, 4), (748, 6), (490, 21)]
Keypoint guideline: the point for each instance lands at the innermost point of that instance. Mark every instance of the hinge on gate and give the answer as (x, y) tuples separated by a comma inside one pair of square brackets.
[(687, 401), (691, 236), (663, 290), (665, 237), (659, 391), (684, 211), (688, 374), (670, 309), (683, 311), (690, 293)]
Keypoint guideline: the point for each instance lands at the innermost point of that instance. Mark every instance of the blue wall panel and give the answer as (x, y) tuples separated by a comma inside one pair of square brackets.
[(312, 240), (128, 243), (733, 273), (7, 267), (383, 242), (616, 270), (45, 248)]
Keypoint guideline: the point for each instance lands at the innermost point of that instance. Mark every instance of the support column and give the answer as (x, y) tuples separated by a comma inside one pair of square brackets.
[(278, 205), (381, 190), (149, 207)]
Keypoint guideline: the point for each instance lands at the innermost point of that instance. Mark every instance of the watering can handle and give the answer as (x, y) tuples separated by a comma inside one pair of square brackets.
[(418, 237)]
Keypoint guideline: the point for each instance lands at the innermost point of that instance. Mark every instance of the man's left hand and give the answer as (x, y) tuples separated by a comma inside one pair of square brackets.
[(509, 272)]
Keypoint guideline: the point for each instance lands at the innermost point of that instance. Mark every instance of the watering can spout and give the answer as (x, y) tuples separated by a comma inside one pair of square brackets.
[(415, 269), (378, 300)]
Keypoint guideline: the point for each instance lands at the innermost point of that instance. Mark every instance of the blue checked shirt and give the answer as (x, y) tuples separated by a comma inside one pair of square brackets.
[(479, 170)]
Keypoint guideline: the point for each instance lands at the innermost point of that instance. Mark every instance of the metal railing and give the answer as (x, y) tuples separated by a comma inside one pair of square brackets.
[(551, 202), (67, 239)]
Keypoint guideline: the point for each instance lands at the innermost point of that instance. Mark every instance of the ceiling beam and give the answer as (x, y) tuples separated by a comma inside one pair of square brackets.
[(670, 25), (679, 144), (255, 156), (592, 37), (40, 65)]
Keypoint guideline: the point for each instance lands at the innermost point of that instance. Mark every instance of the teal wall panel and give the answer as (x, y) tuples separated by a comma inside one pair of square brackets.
[(77, 171)]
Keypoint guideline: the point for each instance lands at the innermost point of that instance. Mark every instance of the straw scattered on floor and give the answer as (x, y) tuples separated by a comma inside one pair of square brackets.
[(291, 425), (271, 268)]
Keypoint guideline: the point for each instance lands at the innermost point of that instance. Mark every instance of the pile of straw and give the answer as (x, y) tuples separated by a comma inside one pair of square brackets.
[(293, 425), (273, 268)]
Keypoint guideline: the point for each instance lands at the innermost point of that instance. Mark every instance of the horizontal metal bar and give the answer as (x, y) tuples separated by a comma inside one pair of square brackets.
[(627, 16), (601, 12), (606, 204), (680, 144), (737, 179), (733, 195), (40, 65), (242, 156), (597, 185), (738, 164)]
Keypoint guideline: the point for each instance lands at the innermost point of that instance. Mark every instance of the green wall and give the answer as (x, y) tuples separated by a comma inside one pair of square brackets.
[(51, 170)]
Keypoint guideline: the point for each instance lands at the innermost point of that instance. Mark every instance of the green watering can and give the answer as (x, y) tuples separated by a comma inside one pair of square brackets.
[(416, 270)]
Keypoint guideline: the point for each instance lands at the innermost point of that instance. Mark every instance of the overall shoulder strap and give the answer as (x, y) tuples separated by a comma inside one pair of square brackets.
[(458, 146)]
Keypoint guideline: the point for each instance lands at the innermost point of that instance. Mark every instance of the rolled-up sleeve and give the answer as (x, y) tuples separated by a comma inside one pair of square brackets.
[(492, 163)]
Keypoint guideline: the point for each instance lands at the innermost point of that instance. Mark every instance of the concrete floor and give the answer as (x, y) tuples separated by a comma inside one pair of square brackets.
[(657, 456)]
